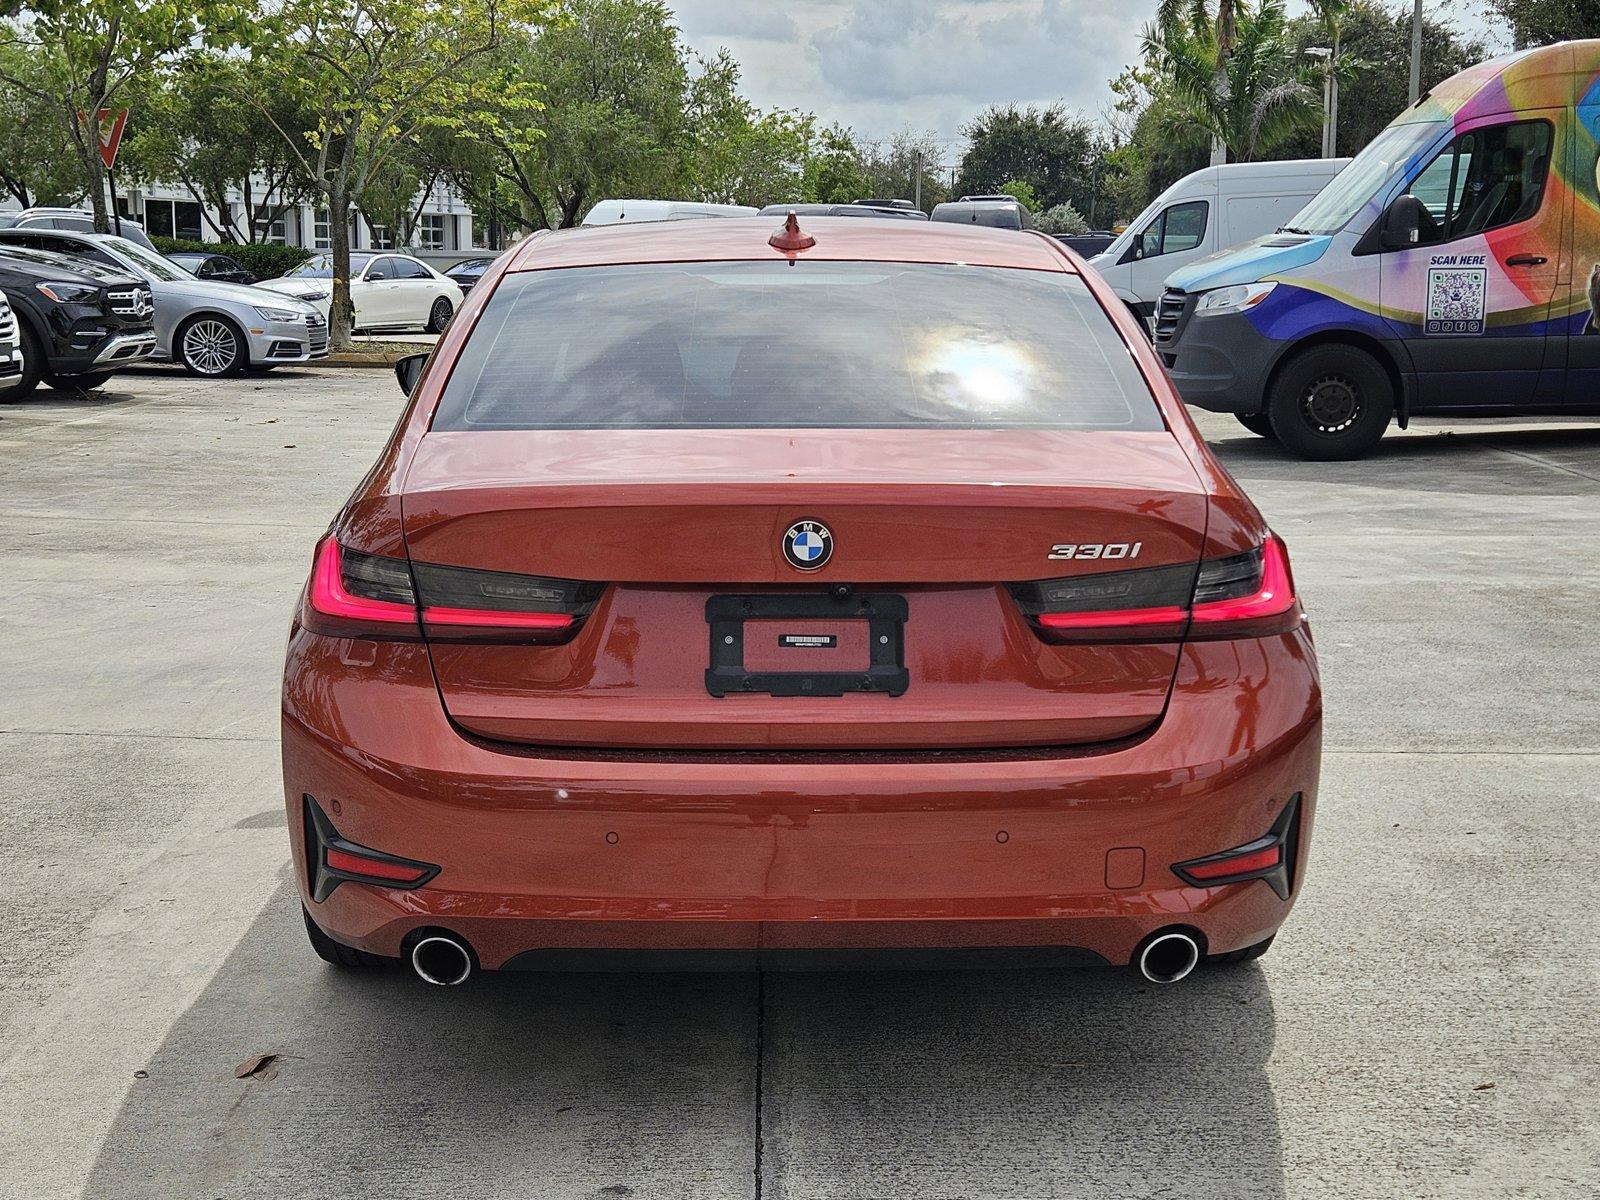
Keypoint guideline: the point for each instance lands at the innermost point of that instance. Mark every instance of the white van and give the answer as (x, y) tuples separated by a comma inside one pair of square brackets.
[(1207, 211), (622, 212)]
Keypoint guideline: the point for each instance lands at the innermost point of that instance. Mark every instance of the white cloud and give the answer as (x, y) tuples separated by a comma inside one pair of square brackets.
[(729, 19), (882, 65)]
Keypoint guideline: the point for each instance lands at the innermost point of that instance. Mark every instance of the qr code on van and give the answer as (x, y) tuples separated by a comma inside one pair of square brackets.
[(1456, 299)]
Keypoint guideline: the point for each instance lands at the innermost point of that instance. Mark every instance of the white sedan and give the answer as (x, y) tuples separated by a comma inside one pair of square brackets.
[(389, 291)]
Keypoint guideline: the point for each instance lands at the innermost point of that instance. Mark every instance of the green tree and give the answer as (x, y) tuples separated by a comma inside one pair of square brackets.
[(1250, 96), (1021, 192), (1151, 142), (371, 75), (1536, 22), (613, 81), (905, 165), (742, 155), (37, 162), (90, 53), (1061, 219), (195, 131), (1054, 152), (1380, 40), (836, 170)]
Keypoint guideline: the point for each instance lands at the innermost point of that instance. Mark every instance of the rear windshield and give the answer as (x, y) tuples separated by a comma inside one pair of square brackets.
[(815, 344)]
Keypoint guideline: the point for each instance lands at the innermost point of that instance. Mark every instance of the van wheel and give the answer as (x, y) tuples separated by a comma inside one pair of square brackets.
[(1257, 423), (1331, 403)]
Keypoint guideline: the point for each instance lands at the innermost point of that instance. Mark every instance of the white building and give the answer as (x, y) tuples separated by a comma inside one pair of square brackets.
[(444, 231)]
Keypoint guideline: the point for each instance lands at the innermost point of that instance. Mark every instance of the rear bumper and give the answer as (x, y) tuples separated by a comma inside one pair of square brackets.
[(541, 854)]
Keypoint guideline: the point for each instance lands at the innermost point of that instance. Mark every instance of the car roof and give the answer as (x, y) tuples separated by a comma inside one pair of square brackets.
[(838, 239), (35, 259)]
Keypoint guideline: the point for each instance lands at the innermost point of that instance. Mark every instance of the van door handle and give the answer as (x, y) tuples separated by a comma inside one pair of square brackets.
[(1526, 260)]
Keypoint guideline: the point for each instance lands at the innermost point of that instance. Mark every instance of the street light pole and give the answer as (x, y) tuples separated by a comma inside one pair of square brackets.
[(1416, 50), (1324, 54)]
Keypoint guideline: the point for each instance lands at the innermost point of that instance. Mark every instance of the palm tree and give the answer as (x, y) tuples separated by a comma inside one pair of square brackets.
[(1235, 74)]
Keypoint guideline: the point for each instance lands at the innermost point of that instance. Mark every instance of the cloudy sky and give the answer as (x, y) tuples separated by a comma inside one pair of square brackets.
[(880, 65)]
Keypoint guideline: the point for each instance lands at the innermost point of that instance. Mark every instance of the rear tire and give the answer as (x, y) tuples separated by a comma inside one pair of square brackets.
[(1248, 954), (1331, 403), (1257, 423), (338, 953), (439, 315)]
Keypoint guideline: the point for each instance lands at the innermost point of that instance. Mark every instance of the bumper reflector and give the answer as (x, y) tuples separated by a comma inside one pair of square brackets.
[(1271, 858), (332, 860)]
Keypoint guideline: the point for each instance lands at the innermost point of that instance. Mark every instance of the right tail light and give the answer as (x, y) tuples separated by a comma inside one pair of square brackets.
[(1242, 595)]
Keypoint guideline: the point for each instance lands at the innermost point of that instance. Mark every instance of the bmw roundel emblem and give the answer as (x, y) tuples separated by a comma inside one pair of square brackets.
[(807, 545)]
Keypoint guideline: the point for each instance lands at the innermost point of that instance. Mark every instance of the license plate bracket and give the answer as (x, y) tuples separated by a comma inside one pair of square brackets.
[(885, 616)]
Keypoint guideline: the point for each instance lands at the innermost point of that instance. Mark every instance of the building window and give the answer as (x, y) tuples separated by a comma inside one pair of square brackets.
[(380, 237), (430, 232), (278, 231), (321, 230), (173, 218)]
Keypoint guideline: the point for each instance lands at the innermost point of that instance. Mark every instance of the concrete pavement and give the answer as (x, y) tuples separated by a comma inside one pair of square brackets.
[(1424, 1026)]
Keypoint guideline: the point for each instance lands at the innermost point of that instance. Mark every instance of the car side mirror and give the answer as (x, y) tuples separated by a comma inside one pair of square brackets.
[(1402, 222), (408, 370), (375, 276)]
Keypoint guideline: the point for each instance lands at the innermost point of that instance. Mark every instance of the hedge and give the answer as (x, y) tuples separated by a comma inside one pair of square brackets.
[(263, 259)]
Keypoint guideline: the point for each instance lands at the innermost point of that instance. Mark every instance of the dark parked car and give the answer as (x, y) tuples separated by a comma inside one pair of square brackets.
[(79, 322), (844, 210), (999, 214), (214, 266), (1087, 244), (465, 274)]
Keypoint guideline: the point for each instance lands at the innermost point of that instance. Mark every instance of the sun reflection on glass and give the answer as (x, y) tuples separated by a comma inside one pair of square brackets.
[(977, 373)]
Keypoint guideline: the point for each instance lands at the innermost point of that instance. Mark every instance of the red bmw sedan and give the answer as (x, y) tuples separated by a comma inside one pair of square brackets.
[(740, 592)]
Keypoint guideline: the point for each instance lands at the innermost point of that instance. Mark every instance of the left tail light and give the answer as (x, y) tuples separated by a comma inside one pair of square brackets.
[(371, 596), (1241, 595)]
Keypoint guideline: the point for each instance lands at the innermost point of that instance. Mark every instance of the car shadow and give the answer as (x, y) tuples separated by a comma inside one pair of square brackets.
[(999, 1083), (1449, 461), (69, 399)]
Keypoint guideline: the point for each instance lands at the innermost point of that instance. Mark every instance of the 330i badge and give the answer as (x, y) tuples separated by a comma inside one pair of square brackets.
[(708, 605)]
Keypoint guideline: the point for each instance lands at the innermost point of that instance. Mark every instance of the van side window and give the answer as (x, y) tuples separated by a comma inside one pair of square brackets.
[(1484, 179), (1175, 229)]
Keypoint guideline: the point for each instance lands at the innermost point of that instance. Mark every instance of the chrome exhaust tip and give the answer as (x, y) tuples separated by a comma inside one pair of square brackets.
[(442, 960), (1167, 956)]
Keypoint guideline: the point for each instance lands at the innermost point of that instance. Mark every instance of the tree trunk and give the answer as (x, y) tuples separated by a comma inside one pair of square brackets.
[(1227, 34), (87, 139), (341, 314)]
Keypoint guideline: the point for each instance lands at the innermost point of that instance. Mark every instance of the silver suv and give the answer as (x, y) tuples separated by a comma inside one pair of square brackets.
[(211, 328), (78, 220)]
